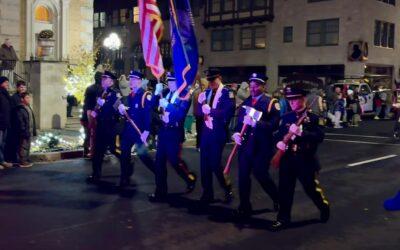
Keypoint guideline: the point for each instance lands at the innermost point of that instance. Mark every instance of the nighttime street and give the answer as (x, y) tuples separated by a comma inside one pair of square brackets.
[(199, 124), (51, 207)]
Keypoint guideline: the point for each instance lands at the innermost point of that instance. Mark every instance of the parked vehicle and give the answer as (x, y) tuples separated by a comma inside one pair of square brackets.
[(365, 93)]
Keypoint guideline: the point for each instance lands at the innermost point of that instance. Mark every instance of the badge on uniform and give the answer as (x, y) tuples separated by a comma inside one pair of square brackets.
[(148, 97), (136, 106), (231, 95), (277, 106)]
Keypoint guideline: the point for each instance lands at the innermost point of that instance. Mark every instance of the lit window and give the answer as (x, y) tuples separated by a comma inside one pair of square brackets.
[(384, 34), (42, 14), (122, 14), (252, 38), (102, 19), (135, 14)]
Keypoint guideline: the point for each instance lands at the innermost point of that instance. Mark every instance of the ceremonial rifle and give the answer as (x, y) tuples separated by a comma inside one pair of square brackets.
[(275, 162), (127, 116), (254, 114)]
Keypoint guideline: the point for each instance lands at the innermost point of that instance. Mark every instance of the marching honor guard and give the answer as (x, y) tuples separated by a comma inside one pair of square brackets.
[(136, 108), (217, 106), (171, 136), (299, 135), (256, 144), (106, 115)]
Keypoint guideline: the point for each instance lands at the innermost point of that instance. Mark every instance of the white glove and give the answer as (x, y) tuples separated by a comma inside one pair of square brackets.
[(209, 123), (101, 101), (163, 103), (281, 146), (122, 109), (144, 136), (206, 109), (165, 117), (236, 137), (249, 121), (202, 97), (297, 130), (159, 89), (93, 114)]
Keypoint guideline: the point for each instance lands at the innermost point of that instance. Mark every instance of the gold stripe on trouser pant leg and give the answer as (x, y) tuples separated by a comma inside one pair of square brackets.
[(117, 145), (320, 191)]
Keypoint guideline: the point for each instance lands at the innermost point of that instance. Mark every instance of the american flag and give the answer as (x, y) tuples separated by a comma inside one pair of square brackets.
[(151, 29)]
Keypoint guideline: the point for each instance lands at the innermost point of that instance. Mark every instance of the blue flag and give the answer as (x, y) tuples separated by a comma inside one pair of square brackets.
[(184, 44)]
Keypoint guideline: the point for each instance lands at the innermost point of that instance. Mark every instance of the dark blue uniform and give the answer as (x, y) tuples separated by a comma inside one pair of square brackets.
[(139, 110), (300, 162), (213, 140), (171, 135), (107, 119), (257, 148)]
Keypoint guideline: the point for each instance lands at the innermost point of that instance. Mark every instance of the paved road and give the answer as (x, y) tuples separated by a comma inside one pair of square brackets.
[(50, 206)]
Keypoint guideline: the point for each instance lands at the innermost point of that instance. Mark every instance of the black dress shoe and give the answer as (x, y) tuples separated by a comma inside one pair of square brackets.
[(243, 212), (191, 184), (157, 197), (228, 197), (279, 225), (93, 179), (325, 213)]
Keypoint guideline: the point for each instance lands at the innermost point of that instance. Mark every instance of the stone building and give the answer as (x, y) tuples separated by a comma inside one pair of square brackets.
[(282, 37), (43, 62)]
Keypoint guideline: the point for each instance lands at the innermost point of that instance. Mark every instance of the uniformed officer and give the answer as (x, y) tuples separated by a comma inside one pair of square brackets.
[(217, 106), (299, 159), (171, 136), (137, 105), (256, 145), (106, 115)]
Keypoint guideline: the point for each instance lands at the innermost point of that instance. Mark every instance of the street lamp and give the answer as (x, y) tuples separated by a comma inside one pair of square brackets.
[(112, 42)]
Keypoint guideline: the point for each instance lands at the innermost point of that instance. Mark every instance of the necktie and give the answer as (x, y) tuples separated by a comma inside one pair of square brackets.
[(170, 96), (212, 98), (253, 101)]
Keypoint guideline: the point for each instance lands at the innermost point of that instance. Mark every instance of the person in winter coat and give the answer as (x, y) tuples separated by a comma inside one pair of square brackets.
[(8, 56), (8, 60), (25, 128), (16, 97), (87, 121), (11, 153), (5, 119)]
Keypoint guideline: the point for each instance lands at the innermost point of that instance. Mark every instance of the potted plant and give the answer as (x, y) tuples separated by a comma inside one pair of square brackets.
[(46, 42)]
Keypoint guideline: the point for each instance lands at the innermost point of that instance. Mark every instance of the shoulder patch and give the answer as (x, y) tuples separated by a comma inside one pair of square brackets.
[(274, 102), (146, 95), (277, 106)]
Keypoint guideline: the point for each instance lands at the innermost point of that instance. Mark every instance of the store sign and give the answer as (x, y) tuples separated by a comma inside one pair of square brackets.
[(357, 51)]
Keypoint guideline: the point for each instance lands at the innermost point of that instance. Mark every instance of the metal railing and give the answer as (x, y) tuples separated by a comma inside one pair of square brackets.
[(14, 71)]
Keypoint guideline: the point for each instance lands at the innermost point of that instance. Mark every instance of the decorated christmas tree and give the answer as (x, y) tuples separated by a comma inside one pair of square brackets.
[(80, 75)]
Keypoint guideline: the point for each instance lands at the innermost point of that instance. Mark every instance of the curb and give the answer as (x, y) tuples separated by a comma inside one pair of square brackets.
[(56, 156)]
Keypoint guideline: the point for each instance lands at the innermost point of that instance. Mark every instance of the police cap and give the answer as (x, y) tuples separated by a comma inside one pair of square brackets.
[(109, 74)]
